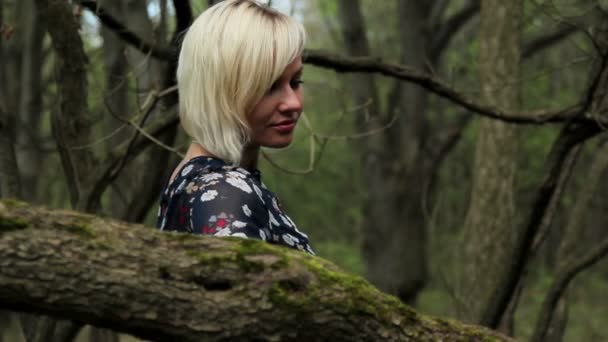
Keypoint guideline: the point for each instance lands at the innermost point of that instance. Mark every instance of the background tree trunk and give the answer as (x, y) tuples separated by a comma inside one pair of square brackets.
[(490, 226), (30, 156), (151, 171), (10, 183)]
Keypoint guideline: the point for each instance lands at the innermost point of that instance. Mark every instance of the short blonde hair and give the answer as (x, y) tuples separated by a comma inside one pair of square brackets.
[(229, 58)]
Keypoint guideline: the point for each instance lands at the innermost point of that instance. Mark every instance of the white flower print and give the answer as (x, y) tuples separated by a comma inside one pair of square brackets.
[(239, 183), (223, 232), (262, 235), (273, 221), (208, 195), (246, 210), (290, 240), (236, 174), (275, 204), (187, 169), (299, 232), (181, 186), (239, 224), (285, 221), (211, 176), (241, 235), (259, 193)]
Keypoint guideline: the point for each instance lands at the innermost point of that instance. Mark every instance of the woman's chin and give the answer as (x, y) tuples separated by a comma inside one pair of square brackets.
[(279, 143)]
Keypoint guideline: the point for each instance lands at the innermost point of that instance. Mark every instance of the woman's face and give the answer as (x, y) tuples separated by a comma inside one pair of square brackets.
[(273, 120)]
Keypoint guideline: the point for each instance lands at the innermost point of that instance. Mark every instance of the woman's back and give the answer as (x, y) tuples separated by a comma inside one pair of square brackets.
[(207, 196)]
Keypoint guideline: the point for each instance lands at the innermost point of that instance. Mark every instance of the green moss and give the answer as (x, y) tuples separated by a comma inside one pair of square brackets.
[(358, 294), (256, 247), (81, 226), (10, 224), (180, 236), (249, 265), (13, 203)]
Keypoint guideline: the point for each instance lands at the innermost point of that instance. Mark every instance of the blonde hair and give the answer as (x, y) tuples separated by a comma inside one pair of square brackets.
[(229, 58)]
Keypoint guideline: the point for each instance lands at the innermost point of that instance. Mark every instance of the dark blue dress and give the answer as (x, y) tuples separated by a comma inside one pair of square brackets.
[(211, 197)]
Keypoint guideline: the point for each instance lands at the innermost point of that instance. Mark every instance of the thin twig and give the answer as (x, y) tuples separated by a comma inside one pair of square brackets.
[(560, 284)]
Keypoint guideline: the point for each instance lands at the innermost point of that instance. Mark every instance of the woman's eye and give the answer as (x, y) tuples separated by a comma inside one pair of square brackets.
[(295, 83)]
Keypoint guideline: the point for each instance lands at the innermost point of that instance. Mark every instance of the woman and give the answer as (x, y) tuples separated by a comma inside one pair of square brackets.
[(239, 79)]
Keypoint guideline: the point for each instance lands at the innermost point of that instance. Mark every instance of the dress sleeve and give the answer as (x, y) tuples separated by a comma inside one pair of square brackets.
[(227, 205)]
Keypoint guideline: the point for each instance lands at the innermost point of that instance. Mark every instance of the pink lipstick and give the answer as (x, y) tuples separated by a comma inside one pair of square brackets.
[(285, 126)]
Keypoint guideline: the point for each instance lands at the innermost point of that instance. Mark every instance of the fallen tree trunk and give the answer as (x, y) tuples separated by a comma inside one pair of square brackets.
[(167, 286)]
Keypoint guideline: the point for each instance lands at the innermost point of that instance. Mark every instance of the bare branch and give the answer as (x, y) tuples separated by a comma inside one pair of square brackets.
[(540, 43), (125, 34), (440, 88), (435, 85), (448, 29), (571, 136), (545, 225), (127, 151), (565, 275)]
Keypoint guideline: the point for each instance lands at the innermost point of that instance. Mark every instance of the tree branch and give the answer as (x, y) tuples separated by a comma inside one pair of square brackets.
[(125, 34), (126, 152), (450, 27), (542, 42), (170, 286), (571, 136), (71, 125), (439, 87), (435, 85), (565, 275)]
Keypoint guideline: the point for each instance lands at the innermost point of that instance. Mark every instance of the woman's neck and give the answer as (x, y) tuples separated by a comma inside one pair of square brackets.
[(249, 159)]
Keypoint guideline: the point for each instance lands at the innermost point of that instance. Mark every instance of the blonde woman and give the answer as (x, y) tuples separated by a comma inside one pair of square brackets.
[(239, 79)]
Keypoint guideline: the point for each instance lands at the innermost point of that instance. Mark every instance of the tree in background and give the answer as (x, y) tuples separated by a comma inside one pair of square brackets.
[(490, 228), (412, 135)]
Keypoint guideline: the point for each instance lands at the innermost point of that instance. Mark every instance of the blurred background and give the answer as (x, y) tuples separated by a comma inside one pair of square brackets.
[(421, 196)]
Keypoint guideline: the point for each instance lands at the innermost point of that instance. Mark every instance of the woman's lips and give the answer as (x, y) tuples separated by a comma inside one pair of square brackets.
[(284, 126)]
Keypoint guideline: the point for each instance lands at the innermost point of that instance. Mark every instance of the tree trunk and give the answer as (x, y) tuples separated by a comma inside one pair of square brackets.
[(116, 95), (489, 230), (10, 184), (149, 74), (30, 101), (71, 124), (399, 263), (390, 263), (169, 286)]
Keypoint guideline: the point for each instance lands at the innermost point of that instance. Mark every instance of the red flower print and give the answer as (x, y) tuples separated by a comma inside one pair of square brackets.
[(208, 230), (221, 223)]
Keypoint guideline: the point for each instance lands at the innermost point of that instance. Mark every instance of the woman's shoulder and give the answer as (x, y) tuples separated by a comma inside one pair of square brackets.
[(209, 177)]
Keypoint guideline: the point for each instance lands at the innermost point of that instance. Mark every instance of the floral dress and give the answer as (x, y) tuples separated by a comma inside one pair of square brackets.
[(211, 197)]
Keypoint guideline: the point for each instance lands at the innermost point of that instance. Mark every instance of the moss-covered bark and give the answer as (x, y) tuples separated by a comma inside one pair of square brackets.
[(159, 285)]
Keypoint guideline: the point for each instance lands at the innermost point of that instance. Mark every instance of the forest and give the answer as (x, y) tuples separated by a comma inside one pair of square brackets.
[(450, 169)]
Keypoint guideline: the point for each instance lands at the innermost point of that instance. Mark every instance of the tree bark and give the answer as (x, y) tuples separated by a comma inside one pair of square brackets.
[(10, 183), (30, 158), (489, 233), (168, 286), (149, 74), (71, 124)]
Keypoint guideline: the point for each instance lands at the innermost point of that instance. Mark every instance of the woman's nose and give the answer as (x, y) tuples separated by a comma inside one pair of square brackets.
[(291, 101)]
